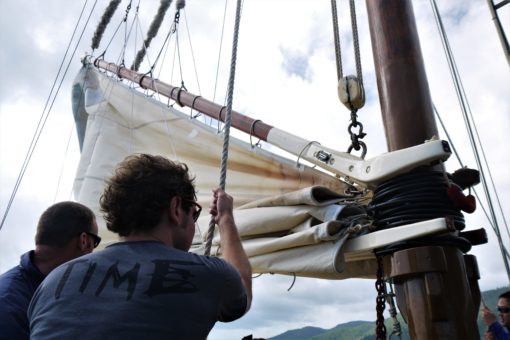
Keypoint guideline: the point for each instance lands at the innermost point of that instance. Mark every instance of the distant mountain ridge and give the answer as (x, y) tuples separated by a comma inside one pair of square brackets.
[(364, 330)]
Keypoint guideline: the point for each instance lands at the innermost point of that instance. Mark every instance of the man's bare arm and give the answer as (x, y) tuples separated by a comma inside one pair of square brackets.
[(231, 247)]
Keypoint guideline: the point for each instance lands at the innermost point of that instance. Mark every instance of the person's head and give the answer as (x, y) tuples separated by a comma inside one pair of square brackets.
[(504, 309), (137, 198), (67, 228)]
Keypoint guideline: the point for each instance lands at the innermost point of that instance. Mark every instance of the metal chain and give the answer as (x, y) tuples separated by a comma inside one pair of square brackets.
[(380, 328), (356, 143)]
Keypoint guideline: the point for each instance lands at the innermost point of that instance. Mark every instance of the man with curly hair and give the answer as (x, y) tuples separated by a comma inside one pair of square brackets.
[(148, 285)]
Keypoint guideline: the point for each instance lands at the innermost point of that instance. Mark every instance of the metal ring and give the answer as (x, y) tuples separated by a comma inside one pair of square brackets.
[(193, 107), (252, 128), (141, 79), (219, 118), (363, 149)]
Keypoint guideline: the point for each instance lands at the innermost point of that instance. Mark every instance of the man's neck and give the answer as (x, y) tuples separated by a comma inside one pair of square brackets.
[(154, 235), (47, 258)]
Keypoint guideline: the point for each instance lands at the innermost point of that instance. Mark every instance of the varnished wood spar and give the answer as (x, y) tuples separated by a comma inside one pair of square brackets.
[(436, 286), (254, 127), (401, 80)]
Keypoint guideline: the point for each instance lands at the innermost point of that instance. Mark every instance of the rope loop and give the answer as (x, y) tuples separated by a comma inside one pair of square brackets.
[(193, 107), (100, 57), (219, 119), (149, 73)]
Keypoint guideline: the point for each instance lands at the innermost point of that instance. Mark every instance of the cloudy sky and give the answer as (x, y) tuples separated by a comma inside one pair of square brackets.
[(286, 76)]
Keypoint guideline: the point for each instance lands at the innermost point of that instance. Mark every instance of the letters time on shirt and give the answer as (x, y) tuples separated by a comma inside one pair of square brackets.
[(167, 277)]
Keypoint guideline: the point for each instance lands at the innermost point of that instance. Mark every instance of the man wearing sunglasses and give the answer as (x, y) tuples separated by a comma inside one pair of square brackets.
[(496, 330), (148, 285), (66, 230)]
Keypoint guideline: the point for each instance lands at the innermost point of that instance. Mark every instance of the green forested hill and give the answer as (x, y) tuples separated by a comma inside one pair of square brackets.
[(364, 330)]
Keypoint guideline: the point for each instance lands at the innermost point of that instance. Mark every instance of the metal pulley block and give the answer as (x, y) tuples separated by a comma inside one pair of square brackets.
[(351, 92)]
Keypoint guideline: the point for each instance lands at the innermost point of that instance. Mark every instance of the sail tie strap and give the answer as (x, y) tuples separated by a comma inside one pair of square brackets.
[(228, 121)]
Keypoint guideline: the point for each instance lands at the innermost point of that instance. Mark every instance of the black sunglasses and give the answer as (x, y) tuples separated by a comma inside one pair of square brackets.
[(503, 310), (197, 211), (95, 237)]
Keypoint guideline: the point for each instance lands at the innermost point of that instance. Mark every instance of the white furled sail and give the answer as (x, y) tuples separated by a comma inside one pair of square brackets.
[(122, 121), (291, 218)]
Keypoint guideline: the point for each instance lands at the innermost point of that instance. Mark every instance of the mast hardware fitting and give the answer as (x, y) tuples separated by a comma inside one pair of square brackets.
[(324, 156)]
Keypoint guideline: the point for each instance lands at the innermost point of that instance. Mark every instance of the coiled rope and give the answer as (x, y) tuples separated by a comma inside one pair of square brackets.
[(228, 121)]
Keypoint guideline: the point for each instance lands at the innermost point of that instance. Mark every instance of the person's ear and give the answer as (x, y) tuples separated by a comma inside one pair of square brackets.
[(84, 242), (174, 211)]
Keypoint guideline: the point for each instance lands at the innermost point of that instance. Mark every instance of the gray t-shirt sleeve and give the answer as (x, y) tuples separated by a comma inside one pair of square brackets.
[(233, 296)]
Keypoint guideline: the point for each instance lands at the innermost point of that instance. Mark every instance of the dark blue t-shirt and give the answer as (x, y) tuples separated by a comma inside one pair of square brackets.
[(16, 289)]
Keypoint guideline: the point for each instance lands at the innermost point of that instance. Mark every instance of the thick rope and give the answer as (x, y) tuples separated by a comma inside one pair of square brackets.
[(356, 41), (153, 30), (228, 121), (105, 19), (338, 53)]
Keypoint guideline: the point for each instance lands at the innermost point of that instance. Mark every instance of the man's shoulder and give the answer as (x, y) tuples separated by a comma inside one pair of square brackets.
[(12, 280)]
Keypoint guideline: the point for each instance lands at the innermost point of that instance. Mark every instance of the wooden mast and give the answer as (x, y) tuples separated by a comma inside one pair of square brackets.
[(436, 286)]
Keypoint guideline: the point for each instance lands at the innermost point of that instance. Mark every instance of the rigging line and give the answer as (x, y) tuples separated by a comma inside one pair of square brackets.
[(63, 163), (469, 112), (113, 35), (484, 157), (177, 46), (462, 100), (166, 46), (228, 121), (166, 42), (151, 33), (355, 39), (219, 53), (173, 63), (192, 54), (462, 164), (42, 119), (127, 35), (336, 35), (447, 135)]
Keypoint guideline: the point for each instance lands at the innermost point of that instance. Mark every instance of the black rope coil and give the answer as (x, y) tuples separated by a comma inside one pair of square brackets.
[(413, 197)]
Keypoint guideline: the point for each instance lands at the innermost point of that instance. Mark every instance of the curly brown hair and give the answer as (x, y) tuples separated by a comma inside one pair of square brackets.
[(141, 189)]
